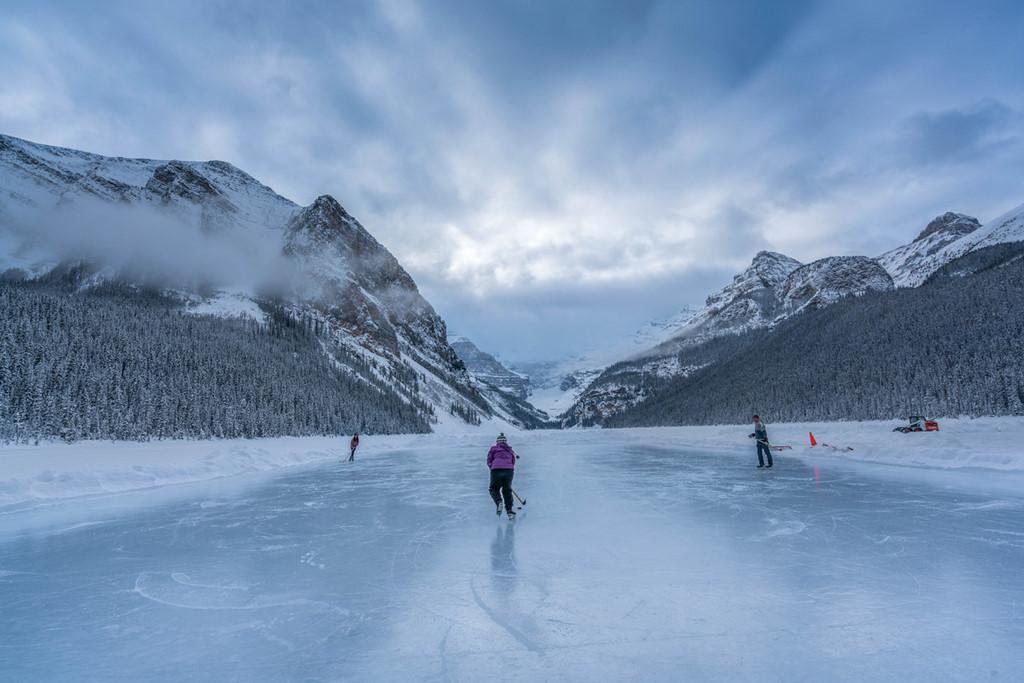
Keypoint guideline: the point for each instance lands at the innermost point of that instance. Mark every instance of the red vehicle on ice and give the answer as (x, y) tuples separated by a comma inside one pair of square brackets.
[(918, 423)]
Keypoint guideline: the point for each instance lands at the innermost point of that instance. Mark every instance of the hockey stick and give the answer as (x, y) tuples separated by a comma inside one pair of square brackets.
[(776, 447), (522, 501)]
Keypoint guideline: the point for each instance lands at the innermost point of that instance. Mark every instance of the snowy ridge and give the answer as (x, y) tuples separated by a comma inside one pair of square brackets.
[(623, 386), (750, 301), (828, 280), (1008, 227), (37, 176), (488, 369), (911, 264), (947, 238)]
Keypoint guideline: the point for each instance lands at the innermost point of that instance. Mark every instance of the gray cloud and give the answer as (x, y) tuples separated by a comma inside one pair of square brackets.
[(966, 135), (154, 247), (531, 159)]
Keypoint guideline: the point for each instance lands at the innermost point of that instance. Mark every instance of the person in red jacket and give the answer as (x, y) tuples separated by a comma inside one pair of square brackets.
[(353, 444), (502, 461)]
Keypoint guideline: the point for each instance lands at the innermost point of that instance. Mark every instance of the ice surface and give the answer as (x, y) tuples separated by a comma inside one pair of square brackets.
[(639, 557)]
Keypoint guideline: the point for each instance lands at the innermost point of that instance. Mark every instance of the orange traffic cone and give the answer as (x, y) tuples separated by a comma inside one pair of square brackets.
[(813, 442)]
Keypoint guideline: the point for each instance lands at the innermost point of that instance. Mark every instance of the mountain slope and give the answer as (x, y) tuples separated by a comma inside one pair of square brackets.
[(828, 280), (946, 239), (486, 368), (951, 347), (316, 263), (1004, 229), (506, 390), (911, 264), (750, 301), (753, 300)]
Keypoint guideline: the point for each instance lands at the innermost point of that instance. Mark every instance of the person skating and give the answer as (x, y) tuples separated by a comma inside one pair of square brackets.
[(761, 434), (353, 444), (501, 459)]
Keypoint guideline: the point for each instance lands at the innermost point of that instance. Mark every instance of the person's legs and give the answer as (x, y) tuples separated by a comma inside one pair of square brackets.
[(352, 455), (760, 458), (506, 490), (495, 488), (767, 452)]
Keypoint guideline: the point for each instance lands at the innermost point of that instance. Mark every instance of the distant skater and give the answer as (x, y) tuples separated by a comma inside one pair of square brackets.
[(502, 461), (353, 444), (761, 434)]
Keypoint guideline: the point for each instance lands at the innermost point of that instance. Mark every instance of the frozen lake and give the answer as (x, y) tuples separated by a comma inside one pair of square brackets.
[(632, 562)]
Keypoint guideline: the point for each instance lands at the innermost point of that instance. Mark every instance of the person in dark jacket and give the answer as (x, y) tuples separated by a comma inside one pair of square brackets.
[(761, 434), (501, 459), (353, 444)]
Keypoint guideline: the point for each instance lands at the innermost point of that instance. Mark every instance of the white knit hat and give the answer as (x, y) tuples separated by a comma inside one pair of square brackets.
[(501, 438)]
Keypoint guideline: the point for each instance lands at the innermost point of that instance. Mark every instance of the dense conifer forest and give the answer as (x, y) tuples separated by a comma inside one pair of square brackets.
[(118, 362)]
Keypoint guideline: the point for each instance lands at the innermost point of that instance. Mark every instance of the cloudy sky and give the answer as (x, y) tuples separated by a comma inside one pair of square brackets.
[(554, 174)]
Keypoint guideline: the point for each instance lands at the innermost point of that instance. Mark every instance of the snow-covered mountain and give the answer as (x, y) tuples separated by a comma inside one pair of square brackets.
[(486, 368), (947, 238), (827, 280), (750, 301), (775, 287), (505, 390), (911, 264), (555, 385), (372, 319), (1004, 229)]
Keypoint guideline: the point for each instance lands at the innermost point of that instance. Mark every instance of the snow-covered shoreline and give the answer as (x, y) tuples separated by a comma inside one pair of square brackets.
[(987, 443), (57, 471), (53, 471)]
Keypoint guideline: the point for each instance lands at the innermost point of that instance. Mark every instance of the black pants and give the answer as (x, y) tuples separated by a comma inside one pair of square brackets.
[(501, 487), (352, 455), (762, 446)]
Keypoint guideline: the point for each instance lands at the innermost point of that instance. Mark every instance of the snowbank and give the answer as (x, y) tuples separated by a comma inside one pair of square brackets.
[(55, 471)]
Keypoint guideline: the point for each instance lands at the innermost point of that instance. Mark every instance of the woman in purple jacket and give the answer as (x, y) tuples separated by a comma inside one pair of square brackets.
[(502, 461)]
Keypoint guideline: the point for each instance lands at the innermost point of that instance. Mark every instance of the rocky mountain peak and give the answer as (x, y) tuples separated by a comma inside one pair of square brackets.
[(771, 267), (768, 257), (326, 222), (953, 224), (910, 264), (178, 179), (330, 207), (827, 280), (751, 300)]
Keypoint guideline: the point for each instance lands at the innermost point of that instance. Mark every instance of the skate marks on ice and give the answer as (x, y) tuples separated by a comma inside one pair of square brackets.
[(178, 589)]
